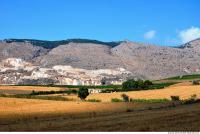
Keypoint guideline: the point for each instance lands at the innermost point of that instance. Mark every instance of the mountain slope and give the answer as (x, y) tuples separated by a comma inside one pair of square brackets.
[(154, 62), (144, 61), (82, 55), (25, 51)]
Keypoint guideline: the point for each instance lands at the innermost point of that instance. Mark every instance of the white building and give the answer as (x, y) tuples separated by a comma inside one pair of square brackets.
[(94, 91)]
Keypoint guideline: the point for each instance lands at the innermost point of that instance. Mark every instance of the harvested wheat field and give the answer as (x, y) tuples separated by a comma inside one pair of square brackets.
[(14, 108), (26, 89), (41, 115), (183, 91)]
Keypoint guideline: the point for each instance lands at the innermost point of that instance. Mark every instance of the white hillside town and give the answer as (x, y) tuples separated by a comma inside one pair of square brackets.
[(17, 71)]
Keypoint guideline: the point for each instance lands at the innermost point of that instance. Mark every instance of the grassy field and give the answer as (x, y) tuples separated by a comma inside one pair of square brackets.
[(41, 115), (185, 77)]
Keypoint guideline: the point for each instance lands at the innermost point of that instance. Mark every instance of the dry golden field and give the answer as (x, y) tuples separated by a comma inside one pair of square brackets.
[(183, 91), (14, 110), (45, 115), (26, 89), (41, 115)]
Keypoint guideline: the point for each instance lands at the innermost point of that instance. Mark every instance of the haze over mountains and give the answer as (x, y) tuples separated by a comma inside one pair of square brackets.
[(135, 60)]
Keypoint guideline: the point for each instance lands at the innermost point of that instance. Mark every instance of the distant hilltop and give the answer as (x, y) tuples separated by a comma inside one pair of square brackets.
[(53, 44)]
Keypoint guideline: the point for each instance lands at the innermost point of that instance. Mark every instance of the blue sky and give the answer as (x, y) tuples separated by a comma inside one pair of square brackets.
[(165, 22)]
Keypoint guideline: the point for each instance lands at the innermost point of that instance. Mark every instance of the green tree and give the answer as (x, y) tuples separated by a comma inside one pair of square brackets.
[(83, 93), (148, 82), (125, 97)]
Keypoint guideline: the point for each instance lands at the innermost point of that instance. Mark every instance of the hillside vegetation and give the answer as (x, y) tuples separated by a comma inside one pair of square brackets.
[(54, 44)]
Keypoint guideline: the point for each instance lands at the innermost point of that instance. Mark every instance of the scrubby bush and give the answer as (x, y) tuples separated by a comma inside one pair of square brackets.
[(195, 82), (175, 98), (53, 92), (33, 92), (149, 100), (193, 97), (116, 100), (27, 96), (125, 97), (83, 93), (94, 100)]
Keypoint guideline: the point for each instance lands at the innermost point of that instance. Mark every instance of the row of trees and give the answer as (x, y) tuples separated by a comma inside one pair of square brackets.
[(136, 84), (126, 86)]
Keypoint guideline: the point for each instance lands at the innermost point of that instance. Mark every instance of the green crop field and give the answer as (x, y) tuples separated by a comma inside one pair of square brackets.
[(185, 77)]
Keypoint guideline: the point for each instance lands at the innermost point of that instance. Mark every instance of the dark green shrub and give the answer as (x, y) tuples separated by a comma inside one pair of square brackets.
[(193, 97), (74, 91), (149, 100), (53, 92), (136, 85), (116, 100), (175, 98), (195, 82), (125, 97), (147, 83), (93, 100), (130, 84), (27, 96), (83, 93)]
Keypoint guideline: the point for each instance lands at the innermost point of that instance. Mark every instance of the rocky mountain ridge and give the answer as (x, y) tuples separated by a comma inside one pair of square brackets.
[(138, 60)]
